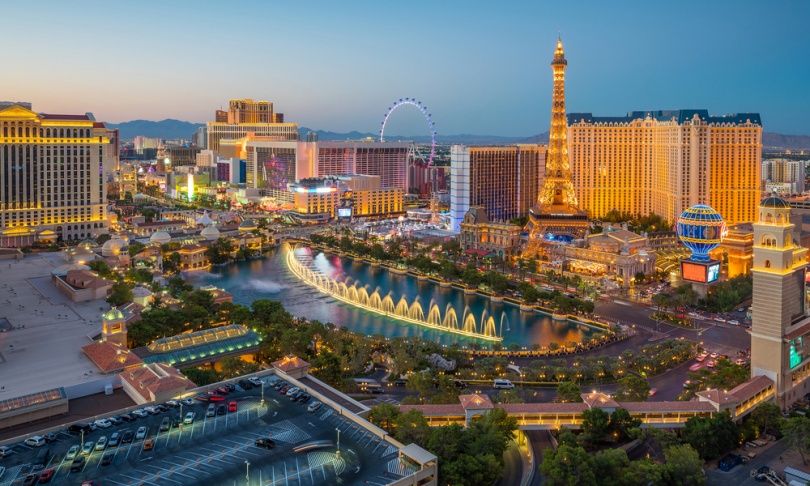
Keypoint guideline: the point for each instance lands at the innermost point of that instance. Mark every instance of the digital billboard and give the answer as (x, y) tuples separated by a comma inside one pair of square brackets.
[(693, 272), (713, 272), (344, 212)]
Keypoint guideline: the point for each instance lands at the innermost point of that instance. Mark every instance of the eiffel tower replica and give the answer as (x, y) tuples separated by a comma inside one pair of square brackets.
[(556, 216)]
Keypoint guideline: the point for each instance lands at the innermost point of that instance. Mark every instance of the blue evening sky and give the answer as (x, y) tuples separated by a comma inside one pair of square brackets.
[(481, 67)]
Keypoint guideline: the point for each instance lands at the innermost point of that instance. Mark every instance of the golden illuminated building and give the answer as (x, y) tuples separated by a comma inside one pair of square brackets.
[(248, 117), (664, 162), (479, 233), (780, 328), (737, 249), (557, 210), (51, 175)]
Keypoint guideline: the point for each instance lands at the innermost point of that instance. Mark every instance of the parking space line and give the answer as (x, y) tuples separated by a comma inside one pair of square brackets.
[(108, 480), (169, 471)]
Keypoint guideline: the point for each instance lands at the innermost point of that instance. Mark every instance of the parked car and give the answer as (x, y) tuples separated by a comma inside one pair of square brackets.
[(116, 420), (72, 453), (87, 448), (35, 441), (141, 433), (740, 361), (710, 363), (734, 322), (173, 403), (152, 409), (101, 444), (212, 411), (266, 443), (128, 417), (232, 406), (246, 385), (30, 480), (314, 406), (293, 396), (115, 439), (140, 413), (165, 424), (187, 401), (177, 421), (107, 458), (714, 355), (77, 464), (126, 436), (189, 419), (149, 444), (653, 391), (700, 358), (280, 385), (103, 423), (5, 451), (46, 475), (222, 390), (222, 410), (304, 398), (50, 437), (255, 380), (687, 383), (695, 367)]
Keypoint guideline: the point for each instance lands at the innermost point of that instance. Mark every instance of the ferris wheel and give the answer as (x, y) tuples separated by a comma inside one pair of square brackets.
[(421, 125)]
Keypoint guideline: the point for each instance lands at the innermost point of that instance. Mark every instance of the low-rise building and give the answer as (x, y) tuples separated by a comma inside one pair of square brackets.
[(193, 257), (82, 285), (618, 255), (479, 233), (148, 229), (155, 383)]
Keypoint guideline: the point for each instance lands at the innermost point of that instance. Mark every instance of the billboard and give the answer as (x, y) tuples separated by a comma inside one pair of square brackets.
[(344, 212), (713, 272), (693, 272)]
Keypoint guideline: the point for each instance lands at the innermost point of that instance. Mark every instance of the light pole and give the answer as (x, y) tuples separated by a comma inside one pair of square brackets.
[(181, 416), (247, 473), (338, 441), (263, 384), (82, 443)]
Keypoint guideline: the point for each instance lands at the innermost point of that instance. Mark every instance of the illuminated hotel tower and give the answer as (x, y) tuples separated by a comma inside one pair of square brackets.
[(556, 211), (780, 329)]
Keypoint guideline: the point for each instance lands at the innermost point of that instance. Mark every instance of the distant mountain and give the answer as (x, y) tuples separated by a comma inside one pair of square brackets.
[(466, 139), (790, 142), (166, 129)]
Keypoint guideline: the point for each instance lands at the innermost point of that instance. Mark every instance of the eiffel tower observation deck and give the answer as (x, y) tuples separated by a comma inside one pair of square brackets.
[(556, 217)]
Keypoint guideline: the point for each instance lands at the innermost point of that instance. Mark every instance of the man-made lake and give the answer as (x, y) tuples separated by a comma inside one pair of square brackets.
[(271, 279)]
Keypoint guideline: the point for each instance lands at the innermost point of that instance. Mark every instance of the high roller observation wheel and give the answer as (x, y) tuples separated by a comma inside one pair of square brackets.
[(423, 109)]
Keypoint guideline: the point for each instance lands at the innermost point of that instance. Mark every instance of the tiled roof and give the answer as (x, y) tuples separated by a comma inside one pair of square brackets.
[(475, 402), (158, 224), (744, 391), (544, 407), (85, 279), (667, 406), (157, 378), (111, 357), (51, 116), (290, 363), (598, 400), (447, 409)]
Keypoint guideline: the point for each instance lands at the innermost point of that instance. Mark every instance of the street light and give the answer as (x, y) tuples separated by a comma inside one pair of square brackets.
[(338, 441), (263, 393), (247, 473)]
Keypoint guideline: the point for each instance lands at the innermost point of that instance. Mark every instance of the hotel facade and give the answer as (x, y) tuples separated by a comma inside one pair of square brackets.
[(52, 171), (667, 161)]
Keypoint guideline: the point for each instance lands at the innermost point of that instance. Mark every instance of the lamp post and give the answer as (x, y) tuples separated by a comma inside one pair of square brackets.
[(263, 384), (247, 473), (181, 415), (338, 441)]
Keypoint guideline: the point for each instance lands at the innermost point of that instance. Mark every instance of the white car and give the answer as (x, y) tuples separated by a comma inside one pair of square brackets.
[(141, 433), (102, 443), (314, 406), (5, 451), (72, 453), (35, 441), (140, 413), (173, 403), (187, 401), (152, 409), (88, 448), (255, 381), (103, 423), (734, 322), (292, 390)]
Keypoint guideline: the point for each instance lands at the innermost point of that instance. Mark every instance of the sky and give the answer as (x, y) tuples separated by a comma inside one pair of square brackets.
[(480, 67)]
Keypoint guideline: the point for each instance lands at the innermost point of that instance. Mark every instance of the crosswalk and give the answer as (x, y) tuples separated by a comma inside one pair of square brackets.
[(318, 459), (11, 474), (328, 413)]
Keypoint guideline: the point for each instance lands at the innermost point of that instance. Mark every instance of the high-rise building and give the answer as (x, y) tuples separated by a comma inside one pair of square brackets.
[(425, 180), (51, 176), (667, 161), (780, 328), (183, 156), (557, 211), (200, 138), (249, 111), (783, 176), (504, 180), (248, 117)]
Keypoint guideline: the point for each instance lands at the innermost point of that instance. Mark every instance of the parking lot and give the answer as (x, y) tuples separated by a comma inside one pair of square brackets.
[(221, 449)]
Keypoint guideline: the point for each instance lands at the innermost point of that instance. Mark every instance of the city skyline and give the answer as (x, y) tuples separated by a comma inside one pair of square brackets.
[(478, 69)]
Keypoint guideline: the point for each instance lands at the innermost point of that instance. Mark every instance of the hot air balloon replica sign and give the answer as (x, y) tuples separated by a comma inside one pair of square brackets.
[(701, 229)]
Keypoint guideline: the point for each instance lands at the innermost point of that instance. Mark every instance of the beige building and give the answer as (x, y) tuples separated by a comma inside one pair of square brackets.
[(51, 175), (780, 328), (479, 233), (218, 131), (249, 111), (505, 180), (667, 161), (618, 255), (783, 176)]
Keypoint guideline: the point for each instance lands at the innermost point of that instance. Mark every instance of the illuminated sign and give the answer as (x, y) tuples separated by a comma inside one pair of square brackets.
[(319, 190), (693, 272), (713, 272), (344, 212), (795, 356)]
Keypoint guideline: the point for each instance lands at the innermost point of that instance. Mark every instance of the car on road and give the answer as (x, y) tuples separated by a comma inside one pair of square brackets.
[(149, 444), (107, 458), (46, 475), (699, 358), (714, 355), (653, 391), (734, 322), (30, 480), (72, 453), (740, 362), (103, 423), (141, 433), (126, 436), (232, 406), (314, 406), (187, 401), (710, 363), (399, 382), (695, 367), (719, 319), (87, 449), (266, 443), (500, 383), (77, 464), (460, 384), (115, 439), (189, 419), (35, 441), (101, 444)]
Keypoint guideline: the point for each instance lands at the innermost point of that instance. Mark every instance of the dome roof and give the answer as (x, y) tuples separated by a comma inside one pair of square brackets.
[(205, 220), (248, 224), (113, 314), (774, 202), (210, 232), (113, 246), (160, 237), (139, 196)]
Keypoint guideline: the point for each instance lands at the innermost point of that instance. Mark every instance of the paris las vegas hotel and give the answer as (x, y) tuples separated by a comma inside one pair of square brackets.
[(52, 171)]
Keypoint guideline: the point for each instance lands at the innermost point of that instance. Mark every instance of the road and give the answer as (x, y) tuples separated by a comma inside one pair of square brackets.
[(513, 466), (540, 440)]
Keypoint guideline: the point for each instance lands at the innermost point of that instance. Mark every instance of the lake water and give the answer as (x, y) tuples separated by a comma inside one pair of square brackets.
[(270, 278)]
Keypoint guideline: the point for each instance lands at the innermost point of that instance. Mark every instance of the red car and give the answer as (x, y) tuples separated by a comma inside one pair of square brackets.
[(695, 367), (46, 475), (231, 406), (216, 398), (222, 390)]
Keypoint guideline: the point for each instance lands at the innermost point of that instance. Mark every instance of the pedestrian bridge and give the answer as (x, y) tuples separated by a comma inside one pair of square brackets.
[(553, 416)]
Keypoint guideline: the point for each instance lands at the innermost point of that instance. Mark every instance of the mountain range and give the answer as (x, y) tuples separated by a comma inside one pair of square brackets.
[(176, 129)]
